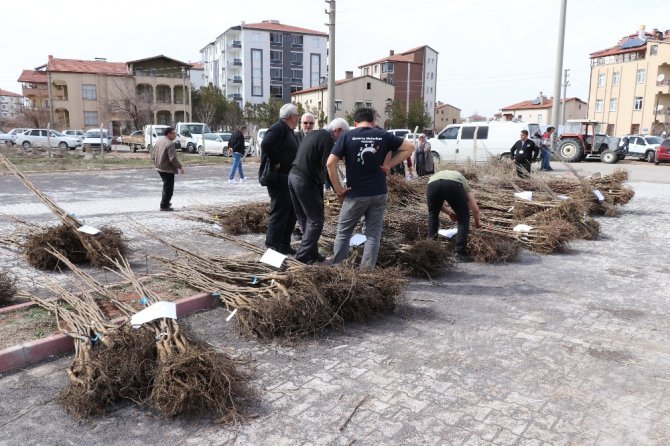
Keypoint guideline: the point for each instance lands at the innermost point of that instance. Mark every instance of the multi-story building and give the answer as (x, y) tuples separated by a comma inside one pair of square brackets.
[(538, 110), (10, 104), (197, 76), (630, 84), (85, 93), (445, 114), (350, 94), (413, 73), (257, 62)]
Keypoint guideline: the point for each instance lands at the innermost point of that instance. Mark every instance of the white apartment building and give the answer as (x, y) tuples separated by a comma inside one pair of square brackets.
[(10, 104), (257, 62)]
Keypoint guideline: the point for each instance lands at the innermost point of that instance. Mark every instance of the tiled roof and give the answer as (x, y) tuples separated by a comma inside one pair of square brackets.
[(197, 66), (160, 56), (268, 26), (528, 105), (33, 77), (338, 82), (9, 93), (88, 66), (616, 50), (394, 58), (418, 48)]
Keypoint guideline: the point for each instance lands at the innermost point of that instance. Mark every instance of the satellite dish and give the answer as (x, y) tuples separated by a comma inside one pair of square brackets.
[(660, 78)]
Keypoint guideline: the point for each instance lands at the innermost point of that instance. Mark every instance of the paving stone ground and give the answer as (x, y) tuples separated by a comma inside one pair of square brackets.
[(568, 349)]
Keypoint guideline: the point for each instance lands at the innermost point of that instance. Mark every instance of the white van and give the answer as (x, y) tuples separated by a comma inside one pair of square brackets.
[(478, 141), (189, 135), (92, 139), (152, 133)]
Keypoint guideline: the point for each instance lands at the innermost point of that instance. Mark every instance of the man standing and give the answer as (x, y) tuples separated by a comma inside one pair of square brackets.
[(545, 150), (305, 183), (452, 187), (279, 148), (307, 123), (523, 152), (236, 143), (165, 159), (364, 150)]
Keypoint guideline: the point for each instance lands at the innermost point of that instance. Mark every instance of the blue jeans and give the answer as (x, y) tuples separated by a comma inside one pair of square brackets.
[(237, 165), (352, 210), (546, 157)]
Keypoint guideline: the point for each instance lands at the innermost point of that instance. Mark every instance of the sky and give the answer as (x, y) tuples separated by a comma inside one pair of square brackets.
[(492, 53)]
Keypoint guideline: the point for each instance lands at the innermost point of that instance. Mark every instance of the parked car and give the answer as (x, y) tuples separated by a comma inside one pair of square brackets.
[(249, 146), (259, 140), (92, 140), (190, 134), (79, 133), (16, 132), (642, 147), (663, 152), (7, 138), (214, 144), (225, 137), (39, 138), (399, 132)]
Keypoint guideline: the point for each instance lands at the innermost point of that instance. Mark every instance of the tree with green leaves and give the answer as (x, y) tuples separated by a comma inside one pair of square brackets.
[(398, 115), (209, 105), (417, 116)]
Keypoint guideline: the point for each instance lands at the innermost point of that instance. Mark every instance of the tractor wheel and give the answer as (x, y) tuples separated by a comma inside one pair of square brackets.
[(651, 156), (609, 157), (570, 150)]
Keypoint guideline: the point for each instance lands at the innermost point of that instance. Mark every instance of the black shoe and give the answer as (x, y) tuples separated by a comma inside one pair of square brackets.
[(289, 251), (167, 209), (462, 258)]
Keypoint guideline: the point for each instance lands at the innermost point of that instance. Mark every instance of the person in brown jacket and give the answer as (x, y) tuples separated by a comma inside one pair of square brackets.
[(165, 159)]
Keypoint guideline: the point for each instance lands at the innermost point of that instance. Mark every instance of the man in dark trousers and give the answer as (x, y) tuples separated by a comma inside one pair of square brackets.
[(305, 183), (165, 159), (524, 151), (279, 148), (452, 187), (236, 143)]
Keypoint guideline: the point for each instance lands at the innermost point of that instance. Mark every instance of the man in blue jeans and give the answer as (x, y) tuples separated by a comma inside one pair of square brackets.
[(365, 151), (236, 143)]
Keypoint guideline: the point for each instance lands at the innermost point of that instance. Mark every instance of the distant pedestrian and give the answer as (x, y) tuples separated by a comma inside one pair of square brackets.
[(165, 159), (305, 182), (279, 148), (236, 143), (545, 149), (364, 150), (452, 187), (423, 157), (523, 152)]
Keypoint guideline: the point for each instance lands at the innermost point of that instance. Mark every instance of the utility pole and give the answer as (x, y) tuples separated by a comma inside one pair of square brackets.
[(566, 83), (559, 70), (331, 60)]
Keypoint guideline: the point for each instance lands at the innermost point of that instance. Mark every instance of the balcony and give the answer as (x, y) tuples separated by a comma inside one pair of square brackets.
[(235, 96), (236, 62), (664, 86), (236, 80), (236, 44)]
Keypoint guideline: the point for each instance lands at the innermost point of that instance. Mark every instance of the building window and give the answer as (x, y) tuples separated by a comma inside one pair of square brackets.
[(432, 76), (387, 67), (276, 56), (296, 40), (256, 37), (613, 104), (369, 86), (276, 91), (366, 71), (296, 58), (599, 105), (653, 50), (314, 69), (376, 69), (276, 74), (296, 88), (296, 75), (256, 72), (602, 79), (315, 42), (89, 92), (276, 38), (616, 78), (637, 105), (91, 118), (368, 104), (641, 76), (338, 104)]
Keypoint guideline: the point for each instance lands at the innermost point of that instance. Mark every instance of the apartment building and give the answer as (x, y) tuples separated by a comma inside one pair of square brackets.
[(257, 62), (630, 84), (10, 104), (445, 114), (82, 94), (413, 73), (350, 94), (539, 110)]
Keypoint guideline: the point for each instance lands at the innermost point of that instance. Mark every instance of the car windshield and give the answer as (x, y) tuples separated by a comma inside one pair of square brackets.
[(653, 140), (212, 137), (196, 128), (225, 136), (57, 133), (261, 134), (95, 134)]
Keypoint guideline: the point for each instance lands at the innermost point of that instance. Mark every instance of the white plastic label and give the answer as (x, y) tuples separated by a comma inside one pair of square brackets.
[(599, 195), (357, 240), (154, 311), (525, 195), (273, 258), (448, 233), (86, 229), (522, 228)]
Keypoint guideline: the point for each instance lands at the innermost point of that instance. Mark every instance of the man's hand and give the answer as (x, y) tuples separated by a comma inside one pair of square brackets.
[(181, 170), (341, 194), (478, 224), (385, 168)]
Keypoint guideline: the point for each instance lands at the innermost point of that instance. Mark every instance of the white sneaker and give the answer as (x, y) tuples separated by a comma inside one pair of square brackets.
[(231, 181), (242, 180)]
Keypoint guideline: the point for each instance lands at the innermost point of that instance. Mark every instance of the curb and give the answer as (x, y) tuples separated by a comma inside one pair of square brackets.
[(33, 352)]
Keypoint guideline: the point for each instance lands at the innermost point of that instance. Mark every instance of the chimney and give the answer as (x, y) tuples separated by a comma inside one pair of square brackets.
[(640, 33), (391, 53), (348, 74), (541, 97), (50, 57)]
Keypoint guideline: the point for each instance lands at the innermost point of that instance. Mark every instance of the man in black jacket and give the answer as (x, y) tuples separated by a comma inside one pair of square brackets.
[(236, 143), (305, 183), (279, 148), (523, 152)]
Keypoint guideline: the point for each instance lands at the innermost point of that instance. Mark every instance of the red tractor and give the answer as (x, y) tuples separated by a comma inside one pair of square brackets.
[(581, 140)]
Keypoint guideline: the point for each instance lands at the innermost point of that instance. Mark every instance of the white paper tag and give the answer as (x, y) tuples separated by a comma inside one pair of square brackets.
[(563, 197), (526, 195), (273, 258), (86, 229), (522, 228), (154, 311), (217, 227), (231, 315), (357, 240), (448, 233), (599, 195)]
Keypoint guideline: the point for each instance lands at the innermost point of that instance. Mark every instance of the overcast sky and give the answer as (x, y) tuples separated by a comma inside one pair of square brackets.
[(493, 53)]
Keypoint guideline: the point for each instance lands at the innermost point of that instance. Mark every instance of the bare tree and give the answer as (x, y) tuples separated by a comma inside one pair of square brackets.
[(136, 105), (37, 117)]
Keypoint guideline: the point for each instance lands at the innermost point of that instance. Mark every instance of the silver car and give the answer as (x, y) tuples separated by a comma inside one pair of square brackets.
[(7, 138), (40, 137)]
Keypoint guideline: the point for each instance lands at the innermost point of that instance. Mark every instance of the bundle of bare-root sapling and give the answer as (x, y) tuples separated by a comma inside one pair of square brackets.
[(7, 287)]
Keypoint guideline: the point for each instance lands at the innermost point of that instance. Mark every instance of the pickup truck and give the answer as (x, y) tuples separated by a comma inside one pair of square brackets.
[(134, 141)]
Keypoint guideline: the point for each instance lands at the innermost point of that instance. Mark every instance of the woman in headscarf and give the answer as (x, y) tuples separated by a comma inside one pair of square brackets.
[(423, 157)]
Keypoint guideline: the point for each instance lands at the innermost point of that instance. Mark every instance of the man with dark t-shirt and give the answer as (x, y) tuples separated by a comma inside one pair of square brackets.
[(365, 151)]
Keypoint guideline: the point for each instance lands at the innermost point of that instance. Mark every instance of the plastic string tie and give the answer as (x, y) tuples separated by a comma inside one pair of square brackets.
[(144, 301)]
